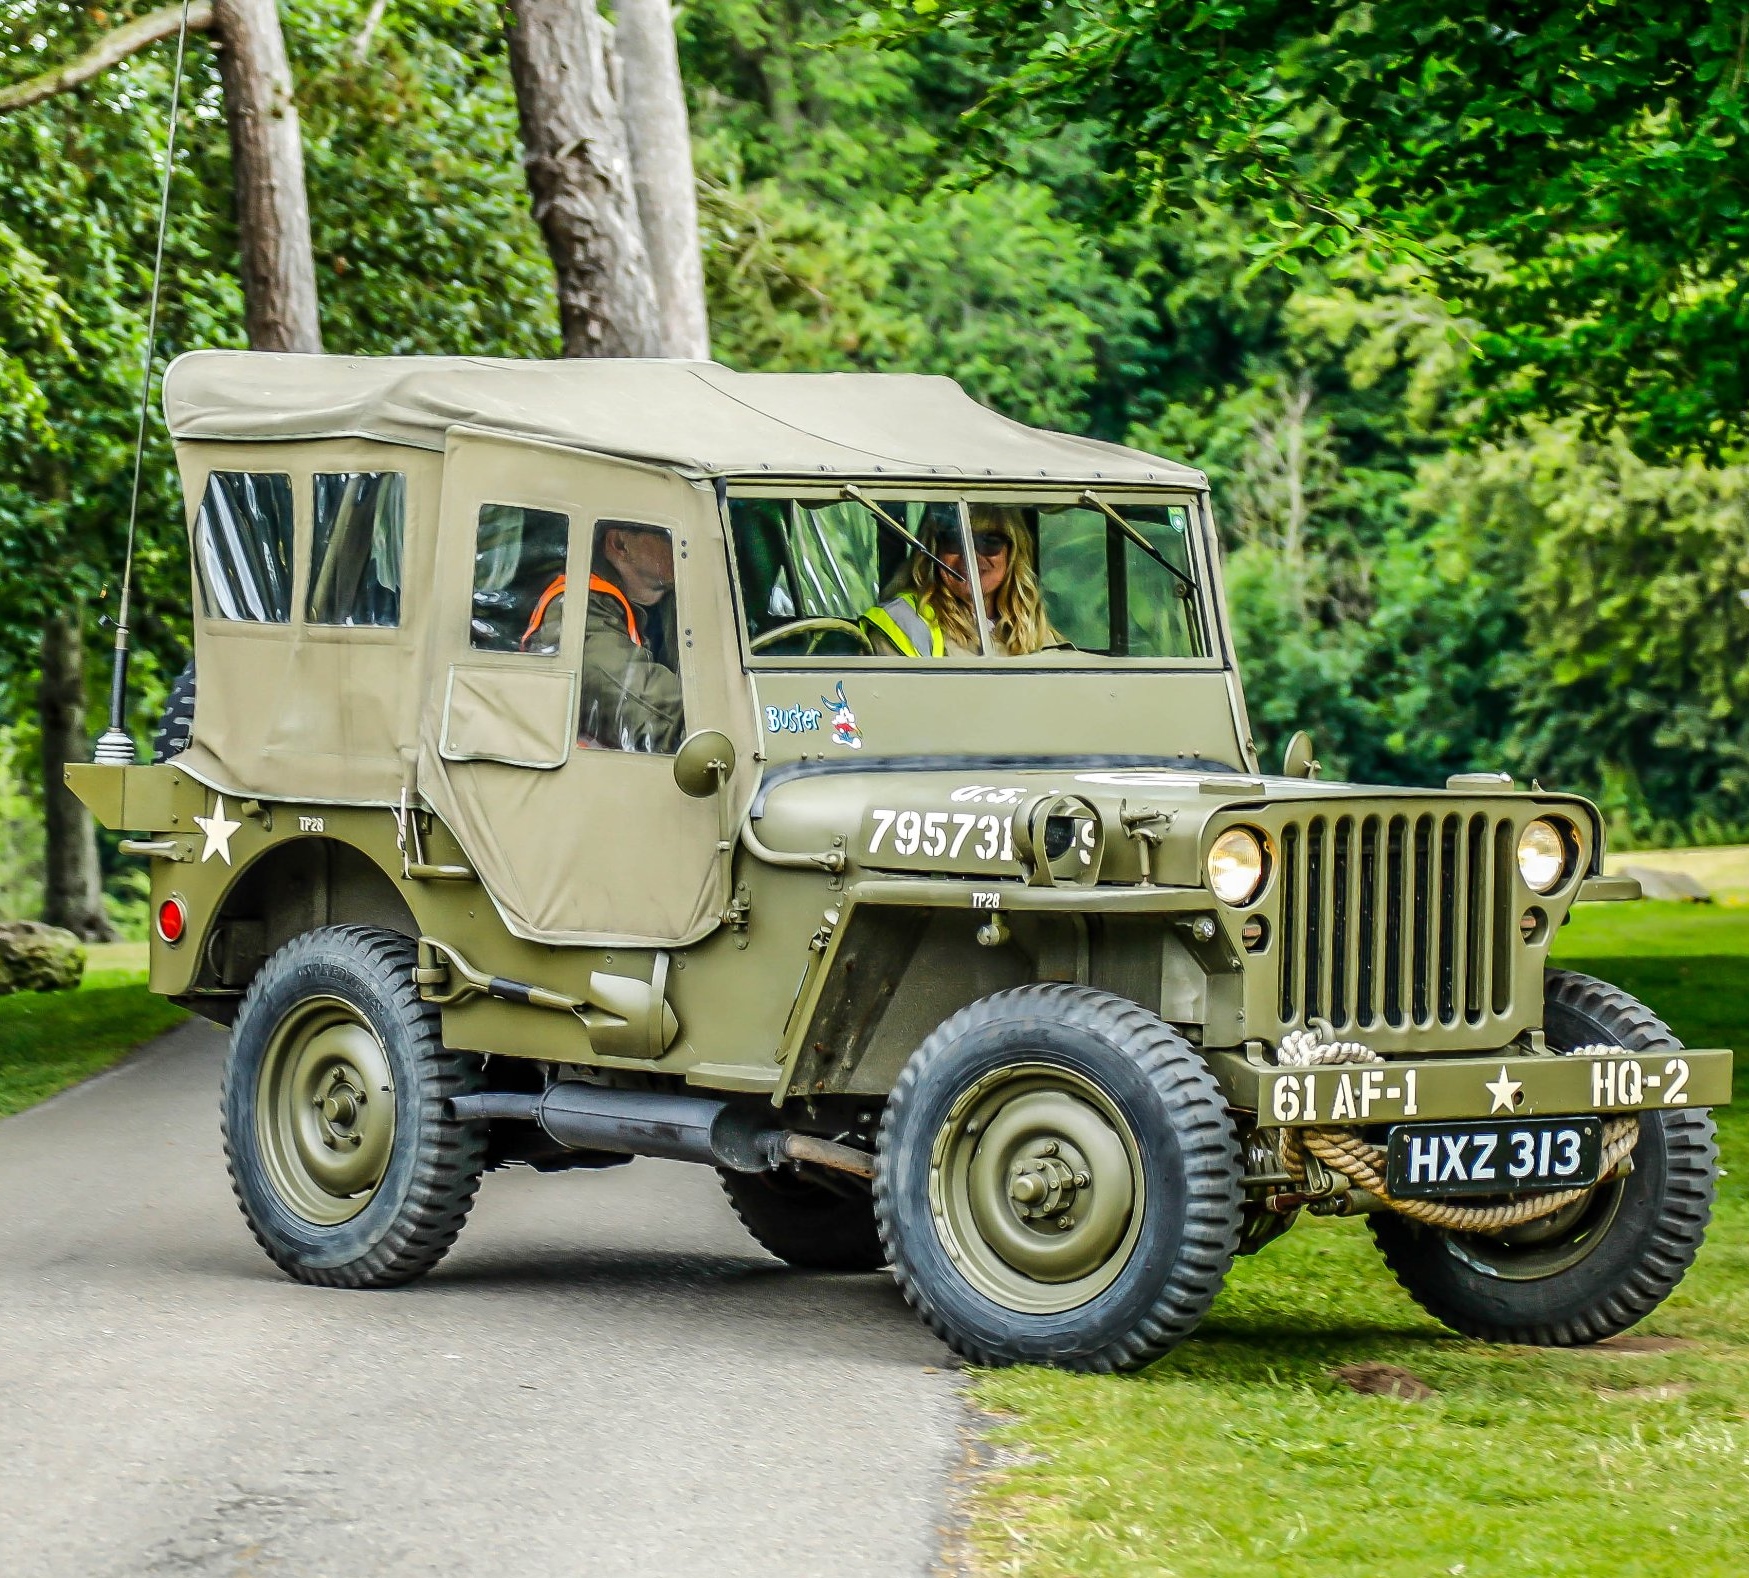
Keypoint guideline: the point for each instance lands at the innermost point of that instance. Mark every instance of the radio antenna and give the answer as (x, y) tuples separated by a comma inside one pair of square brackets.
[(116, 747)]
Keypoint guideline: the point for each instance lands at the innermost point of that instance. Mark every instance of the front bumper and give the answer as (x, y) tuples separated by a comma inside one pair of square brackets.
[(1405, 1089)]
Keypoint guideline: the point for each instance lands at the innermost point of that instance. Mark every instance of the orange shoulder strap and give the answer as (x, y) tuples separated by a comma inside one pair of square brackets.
[(598, 584), (556, 588)]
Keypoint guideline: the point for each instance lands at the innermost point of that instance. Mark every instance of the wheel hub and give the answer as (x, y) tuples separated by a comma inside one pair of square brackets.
[(325, 1111), (1045, 1184), (1037, 1188)]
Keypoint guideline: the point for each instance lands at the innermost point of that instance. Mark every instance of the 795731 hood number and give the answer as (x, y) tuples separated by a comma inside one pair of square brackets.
[(941, 835)]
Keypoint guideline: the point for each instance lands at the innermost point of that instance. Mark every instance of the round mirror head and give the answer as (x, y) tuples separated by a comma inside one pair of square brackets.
[(704, 759), (1300, 762)]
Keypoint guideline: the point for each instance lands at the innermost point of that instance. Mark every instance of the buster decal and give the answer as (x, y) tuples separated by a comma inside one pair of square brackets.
[(844, 729)]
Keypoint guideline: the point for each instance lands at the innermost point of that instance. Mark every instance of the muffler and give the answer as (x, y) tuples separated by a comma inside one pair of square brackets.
[(655, 1123)]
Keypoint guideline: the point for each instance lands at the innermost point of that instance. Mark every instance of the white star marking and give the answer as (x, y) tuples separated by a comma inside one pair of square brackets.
[(1504, 1091), (218, 829)]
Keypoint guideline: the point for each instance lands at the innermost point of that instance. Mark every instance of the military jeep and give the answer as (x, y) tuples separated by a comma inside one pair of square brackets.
[(1012, 971)]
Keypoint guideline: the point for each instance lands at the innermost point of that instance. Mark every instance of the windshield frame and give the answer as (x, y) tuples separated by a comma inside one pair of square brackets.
[(1203, 555)]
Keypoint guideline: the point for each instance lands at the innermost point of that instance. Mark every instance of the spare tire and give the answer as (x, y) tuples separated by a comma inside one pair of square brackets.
[(176, 722)]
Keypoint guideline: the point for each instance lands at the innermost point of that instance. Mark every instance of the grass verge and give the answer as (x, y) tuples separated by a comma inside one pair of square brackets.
[(1241, 1453), (50, 1040)]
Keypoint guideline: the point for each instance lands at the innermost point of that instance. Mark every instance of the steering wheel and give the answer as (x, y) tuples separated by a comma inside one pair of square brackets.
[(821, 625)]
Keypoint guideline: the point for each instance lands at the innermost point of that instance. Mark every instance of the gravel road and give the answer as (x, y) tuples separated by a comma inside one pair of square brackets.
[(606, 1376)]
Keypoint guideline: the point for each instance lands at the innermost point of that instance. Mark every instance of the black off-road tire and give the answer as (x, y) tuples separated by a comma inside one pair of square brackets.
[(1642, 1246), (814, 1225), (176, 722), (1182, 1235), (433, 1161)]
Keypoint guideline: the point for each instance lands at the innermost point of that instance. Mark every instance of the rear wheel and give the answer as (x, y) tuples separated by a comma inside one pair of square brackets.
[(342, 1155), (1602, 1263), (820, 1225), (1058, 1181)]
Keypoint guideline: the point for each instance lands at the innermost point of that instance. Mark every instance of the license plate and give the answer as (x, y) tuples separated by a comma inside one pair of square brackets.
[(1429, 1161)]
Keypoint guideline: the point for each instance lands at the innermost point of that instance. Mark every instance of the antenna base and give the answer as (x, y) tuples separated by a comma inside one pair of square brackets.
[(115, 749)]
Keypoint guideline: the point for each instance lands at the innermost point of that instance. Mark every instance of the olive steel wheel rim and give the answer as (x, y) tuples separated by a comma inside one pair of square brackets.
[(1036, 1188), (1545, 1247), (325, 1111)]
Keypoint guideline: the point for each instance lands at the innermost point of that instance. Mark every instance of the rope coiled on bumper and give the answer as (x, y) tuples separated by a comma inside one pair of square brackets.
[(1363, 1163)]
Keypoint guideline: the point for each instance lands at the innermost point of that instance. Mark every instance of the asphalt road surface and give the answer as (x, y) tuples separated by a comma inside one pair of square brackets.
[(605, 1376)]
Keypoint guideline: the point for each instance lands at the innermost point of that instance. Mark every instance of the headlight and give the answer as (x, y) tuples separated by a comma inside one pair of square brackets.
[(1236, 865), (1542, 855)]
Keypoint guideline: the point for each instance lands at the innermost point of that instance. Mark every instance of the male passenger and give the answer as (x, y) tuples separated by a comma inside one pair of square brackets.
[(631, 664)]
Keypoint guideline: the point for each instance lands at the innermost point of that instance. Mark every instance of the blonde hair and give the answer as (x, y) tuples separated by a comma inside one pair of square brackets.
[(1017, 619)]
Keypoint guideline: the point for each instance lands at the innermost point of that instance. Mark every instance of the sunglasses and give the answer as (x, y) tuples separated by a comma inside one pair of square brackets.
[(986, 544)]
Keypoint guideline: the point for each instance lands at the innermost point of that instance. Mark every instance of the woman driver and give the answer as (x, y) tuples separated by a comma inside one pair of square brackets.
[(933, 616)]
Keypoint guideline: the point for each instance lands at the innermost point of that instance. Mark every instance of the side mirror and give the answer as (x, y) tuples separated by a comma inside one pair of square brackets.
[(1299, 761), (705, 760)]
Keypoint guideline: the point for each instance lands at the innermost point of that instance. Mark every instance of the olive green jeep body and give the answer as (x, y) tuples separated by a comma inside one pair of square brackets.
[(754, 949)]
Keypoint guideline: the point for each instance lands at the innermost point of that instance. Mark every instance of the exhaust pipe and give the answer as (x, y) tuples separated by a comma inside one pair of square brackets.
[(654, 1123)]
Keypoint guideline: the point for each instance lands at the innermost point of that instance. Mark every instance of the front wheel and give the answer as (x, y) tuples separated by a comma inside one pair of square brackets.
[(342, 1153), (1057, 1181), (1603, 1263)]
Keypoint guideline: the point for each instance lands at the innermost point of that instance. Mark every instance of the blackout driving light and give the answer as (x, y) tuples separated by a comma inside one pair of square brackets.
[(1542, 855), (1237, 864)]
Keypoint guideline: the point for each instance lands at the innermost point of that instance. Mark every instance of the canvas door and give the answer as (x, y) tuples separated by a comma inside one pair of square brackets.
[(574, 842)]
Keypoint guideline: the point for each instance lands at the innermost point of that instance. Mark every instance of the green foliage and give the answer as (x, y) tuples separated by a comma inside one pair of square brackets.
[(1630, 677), (1573, 172), (51, 1040), (21, 834)]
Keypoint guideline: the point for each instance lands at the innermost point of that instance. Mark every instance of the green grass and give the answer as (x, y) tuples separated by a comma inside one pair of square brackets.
[(50, 1040), (1241, 1454)]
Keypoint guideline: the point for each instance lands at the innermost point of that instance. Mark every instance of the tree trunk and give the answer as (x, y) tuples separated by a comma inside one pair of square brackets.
[(579, 177), (72, 884), (267, 174), (660, 142)]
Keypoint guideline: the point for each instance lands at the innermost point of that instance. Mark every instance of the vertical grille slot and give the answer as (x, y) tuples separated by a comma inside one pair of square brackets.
[(1398, 903), (1421, 921), (1341, 921), (1317, 907), (1370, 876), (1451, 916), (1291, 910), (1505, 921), (1479, 885)]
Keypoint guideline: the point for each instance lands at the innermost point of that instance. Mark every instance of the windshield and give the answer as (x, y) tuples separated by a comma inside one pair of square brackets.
[(876, 578), (1121, 582)]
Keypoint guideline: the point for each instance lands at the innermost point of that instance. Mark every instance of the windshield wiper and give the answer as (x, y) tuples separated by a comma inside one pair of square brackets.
[(852, 491), (1090, 497)]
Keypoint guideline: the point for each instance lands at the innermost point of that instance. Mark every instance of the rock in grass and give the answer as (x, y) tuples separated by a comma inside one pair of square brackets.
[(35, 957), (1659, 884)]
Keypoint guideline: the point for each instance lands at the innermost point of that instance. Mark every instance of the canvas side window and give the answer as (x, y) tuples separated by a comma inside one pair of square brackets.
[(360, 522), (631, 658), (243, 546), (519, 580)]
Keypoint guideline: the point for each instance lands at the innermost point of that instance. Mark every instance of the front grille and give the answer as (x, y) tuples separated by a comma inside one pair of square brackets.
[(1402, 919)]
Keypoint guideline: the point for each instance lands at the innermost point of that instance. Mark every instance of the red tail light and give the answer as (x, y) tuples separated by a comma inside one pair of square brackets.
[(172, 920)]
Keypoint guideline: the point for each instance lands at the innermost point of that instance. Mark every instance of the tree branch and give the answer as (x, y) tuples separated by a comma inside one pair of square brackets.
[(372, 21), (110, 50)]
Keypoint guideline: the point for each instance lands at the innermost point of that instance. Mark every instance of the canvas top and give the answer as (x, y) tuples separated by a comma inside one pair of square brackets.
[(700, 418)]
